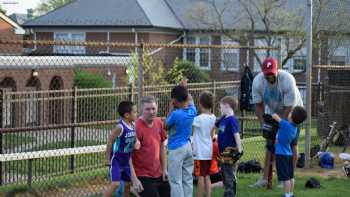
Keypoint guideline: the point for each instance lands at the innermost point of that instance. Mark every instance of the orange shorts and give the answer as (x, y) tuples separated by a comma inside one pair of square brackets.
[(202, 167)]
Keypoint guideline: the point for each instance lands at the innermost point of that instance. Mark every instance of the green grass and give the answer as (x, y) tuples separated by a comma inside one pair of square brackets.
[(330, 187), (11, 140), (67, 181), (58, 164)]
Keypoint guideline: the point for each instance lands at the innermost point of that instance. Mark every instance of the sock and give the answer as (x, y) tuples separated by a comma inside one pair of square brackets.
[(291, 193), (287, 195)]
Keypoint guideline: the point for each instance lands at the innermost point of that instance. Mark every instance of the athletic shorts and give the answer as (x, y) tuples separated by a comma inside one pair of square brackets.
[(202, 167)]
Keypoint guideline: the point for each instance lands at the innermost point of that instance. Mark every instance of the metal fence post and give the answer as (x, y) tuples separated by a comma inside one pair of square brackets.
[(140, 51), (214, 94), (30, 173), (73, 121), (1, 126), (131, 92)]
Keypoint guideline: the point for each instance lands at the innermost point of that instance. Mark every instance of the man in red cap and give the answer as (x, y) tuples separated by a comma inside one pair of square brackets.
[(274, 91)]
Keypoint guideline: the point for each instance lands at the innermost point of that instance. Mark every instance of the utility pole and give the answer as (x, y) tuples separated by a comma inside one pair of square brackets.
[(308, 84)]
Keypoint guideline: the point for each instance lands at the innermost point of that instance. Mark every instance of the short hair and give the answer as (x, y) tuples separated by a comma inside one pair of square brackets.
[(299, 114), (125, 107), (179, 93), (230, 101), (206, 100), (148, 99)]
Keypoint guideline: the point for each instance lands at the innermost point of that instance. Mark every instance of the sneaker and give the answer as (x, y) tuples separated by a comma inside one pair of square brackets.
[(260, 183)]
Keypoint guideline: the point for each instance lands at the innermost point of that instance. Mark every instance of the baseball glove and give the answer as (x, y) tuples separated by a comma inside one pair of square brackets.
[(230, 156), (269, 127)]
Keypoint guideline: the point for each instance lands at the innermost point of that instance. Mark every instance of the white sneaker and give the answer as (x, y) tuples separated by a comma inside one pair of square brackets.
[(260, 183)]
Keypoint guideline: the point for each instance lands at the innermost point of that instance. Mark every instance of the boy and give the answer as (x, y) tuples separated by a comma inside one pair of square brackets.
[(229, 143), (284, 157), (120, 144), (179, 126), (203, 127)]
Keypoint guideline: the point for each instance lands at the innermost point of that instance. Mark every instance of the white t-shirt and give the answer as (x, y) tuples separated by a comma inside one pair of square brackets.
[(202, 141), (284, 93)]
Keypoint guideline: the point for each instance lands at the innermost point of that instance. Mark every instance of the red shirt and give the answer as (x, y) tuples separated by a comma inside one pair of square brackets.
[(146, 160), (214, 168)]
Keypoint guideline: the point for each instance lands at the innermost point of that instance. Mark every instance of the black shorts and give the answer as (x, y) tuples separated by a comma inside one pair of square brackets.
[(214, 178), (154, 187), (284, 167)]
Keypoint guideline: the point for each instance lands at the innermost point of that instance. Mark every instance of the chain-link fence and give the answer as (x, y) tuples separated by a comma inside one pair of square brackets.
[(59, 103)]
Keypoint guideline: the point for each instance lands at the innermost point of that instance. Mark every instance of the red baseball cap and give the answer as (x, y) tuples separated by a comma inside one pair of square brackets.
[(270, 66)]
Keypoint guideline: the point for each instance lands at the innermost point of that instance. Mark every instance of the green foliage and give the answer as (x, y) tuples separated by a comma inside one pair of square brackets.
[(93, 108), (153, 69), (49, 5), (84, 79), (183, 68)]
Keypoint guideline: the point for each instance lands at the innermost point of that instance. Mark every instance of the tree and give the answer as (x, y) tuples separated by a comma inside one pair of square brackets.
[(2, 9), (186, 69), (49, 5), (273, 22), (153, 69)]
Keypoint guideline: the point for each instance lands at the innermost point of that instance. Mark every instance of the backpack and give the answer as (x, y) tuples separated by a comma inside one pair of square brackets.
[(246, 90), (312, 183)]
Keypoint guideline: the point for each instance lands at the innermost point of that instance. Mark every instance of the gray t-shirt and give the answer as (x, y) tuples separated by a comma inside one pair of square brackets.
[(284, 93)]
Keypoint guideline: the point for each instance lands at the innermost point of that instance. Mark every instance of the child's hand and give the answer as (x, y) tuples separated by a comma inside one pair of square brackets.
[(137, 145)]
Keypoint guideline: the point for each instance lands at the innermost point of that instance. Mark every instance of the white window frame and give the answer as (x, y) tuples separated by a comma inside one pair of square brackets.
[(343, 50), (57, 49), (228, 41), (197, 51)]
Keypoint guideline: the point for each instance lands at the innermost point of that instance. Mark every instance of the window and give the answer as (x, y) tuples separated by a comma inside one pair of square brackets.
[(199, 56), (338, 60), (64, 36), (299, 63), (229, 57)]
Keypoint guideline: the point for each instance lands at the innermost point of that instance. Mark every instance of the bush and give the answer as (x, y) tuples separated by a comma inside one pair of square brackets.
[(183, 68), (84, 79), (93, 108)]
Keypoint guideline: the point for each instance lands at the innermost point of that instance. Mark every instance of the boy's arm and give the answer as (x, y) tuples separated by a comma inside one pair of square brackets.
[(114, 134), (163, 160), (213, 132), (276, 117), (238, 141)]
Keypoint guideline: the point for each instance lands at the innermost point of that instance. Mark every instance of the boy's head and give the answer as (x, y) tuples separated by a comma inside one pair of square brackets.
[(127, 110), (298, 115), (206, 100), (179, 94), (227, 105)]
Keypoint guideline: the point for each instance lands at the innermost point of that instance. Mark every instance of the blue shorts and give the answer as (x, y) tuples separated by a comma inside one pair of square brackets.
[(284, 167), (120, 168)]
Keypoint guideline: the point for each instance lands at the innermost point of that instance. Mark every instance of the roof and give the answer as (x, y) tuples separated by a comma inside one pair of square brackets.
[(18, 29), (188, 14), (37, 62), (121, 13), (19, 18)]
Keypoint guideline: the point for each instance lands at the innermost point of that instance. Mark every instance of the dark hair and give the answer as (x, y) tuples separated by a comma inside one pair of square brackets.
[(125, 107), (206, 100), (299, 114), (229, 100), (179, 93)]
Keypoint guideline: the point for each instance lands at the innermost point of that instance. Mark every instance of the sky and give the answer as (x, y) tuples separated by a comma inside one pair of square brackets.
[(18, 6)]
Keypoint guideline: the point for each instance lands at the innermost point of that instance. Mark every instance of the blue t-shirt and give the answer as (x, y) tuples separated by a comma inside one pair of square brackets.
[(179, 124), (227, 126), (285, 135)]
